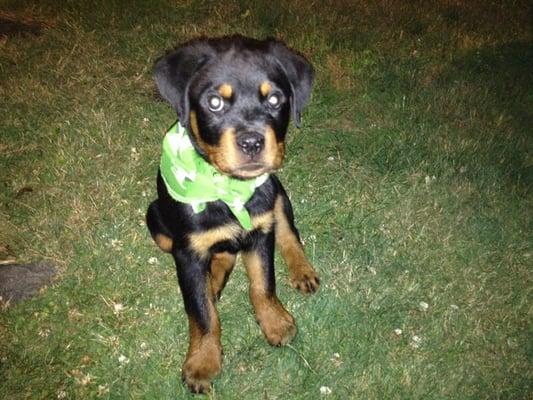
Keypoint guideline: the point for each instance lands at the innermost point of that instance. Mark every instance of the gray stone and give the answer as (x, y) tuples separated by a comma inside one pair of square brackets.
[(20, 281)]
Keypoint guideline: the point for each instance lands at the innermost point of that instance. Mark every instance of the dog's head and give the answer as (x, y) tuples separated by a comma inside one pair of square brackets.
[(236, 95)]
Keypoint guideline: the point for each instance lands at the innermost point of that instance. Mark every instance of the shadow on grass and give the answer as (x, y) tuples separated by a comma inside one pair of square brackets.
[(475, 115), (499, 84), (505, 72), (11, 26)]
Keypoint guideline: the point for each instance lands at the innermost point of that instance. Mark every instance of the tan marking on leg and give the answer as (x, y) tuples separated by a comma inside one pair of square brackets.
[(302, 275), (276, 323), (265, 88), (204, 357), (221, 266), (164, 242), (201, 242), (263, 222), (225, 90)]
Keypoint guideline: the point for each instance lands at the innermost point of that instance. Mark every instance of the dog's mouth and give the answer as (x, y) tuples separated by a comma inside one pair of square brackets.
[(251, 170)]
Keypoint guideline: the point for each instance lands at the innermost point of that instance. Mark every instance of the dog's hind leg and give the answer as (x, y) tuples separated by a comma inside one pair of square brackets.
[(204, 357), (302, 275), (158, 230)]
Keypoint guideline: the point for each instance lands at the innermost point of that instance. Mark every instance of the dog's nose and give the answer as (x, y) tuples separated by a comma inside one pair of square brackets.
[(251, 143)]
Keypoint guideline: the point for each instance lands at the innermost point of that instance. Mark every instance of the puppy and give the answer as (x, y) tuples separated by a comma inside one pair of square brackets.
[(217, 194)]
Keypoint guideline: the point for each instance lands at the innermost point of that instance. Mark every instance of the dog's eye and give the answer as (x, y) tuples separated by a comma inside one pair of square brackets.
[(215, 103), (274, 100)]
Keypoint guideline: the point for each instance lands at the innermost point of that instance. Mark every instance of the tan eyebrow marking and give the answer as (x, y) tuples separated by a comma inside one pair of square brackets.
[(225, 90), (265, 88)]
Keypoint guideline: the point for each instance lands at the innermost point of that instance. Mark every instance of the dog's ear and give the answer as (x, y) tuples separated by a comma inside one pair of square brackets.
[(174, 71), (300, 74)]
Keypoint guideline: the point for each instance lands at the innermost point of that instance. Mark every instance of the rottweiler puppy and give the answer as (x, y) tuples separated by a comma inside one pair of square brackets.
[(217, 192)]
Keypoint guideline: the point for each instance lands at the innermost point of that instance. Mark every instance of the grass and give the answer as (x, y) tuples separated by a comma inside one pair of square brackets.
[(411, 180)]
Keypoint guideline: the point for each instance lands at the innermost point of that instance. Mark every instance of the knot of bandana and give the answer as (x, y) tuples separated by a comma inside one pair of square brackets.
[(192, 180)]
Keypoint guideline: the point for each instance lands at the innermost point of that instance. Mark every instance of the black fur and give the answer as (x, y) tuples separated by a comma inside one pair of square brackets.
[(186, 78)]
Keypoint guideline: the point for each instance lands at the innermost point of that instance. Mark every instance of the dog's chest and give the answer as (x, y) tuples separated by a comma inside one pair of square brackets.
[(229, 236)]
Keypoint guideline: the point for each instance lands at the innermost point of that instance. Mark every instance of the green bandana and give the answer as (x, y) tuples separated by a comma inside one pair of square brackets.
[(192, 180)]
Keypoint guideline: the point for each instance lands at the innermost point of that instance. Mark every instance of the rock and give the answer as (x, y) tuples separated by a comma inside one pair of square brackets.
[(20, 281)]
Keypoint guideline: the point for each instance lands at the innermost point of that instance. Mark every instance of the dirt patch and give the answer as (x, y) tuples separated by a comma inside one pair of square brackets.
[(18, 282)]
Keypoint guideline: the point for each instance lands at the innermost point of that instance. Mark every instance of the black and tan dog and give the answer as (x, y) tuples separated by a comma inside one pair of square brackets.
[(234, 96)]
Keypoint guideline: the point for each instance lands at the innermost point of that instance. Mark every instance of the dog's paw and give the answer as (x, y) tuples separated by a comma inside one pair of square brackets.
[(280, 333), (304, 278), (200, 369), (277, 324), (196, 386)]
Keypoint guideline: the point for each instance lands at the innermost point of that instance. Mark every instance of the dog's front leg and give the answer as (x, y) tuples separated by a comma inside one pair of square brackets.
[(302, 274), (276, 323), (204, 357)]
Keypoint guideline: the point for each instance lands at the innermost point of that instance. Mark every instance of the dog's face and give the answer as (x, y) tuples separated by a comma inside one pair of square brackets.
[(236, 95)]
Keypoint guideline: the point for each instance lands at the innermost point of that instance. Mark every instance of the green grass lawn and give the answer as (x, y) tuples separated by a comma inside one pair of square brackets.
[(411, 181)]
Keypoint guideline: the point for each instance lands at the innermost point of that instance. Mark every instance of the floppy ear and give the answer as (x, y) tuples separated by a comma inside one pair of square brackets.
[(300, 74), (174, 71)]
